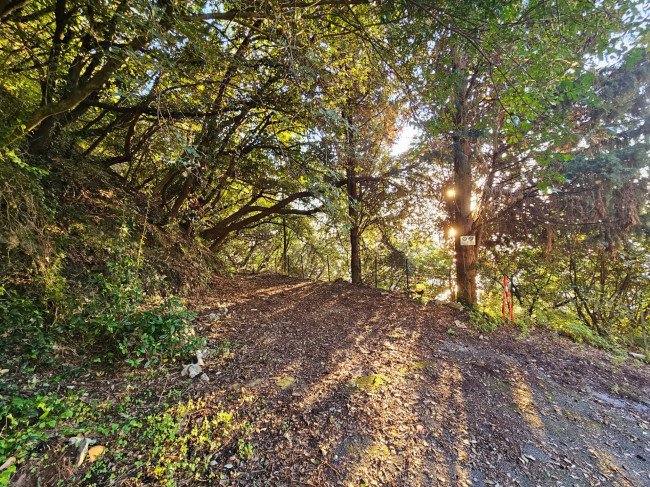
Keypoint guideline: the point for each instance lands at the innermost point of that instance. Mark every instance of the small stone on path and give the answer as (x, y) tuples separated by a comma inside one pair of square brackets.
[(82, 447), (192, 370)]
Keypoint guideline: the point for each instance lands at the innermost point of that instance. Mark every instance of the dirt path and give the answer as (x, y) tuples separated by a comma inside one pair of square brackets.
[(337, 385), (384, 395)]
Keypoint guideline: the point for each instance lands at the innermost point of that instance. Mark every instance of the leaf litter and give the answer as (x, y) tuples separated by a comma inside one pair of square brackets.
[(342, 385)]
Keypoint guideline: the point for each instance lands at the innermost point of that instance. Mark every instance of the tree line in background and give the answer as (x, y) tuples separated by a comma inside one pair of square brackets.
[(264, 130)]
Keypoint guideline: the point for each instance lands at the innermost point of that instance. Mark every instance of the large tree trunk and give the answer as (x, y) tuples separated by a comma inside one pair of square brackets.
[(355, 255), (466, 255), (40, 139), (285, 247), (353, 199)]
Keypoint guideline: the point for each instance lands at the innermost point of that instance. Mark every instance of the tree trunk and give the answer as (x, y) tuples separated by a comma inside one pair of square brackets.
[(39, 141), (355, 255), (285, 247), (185, 193), (352, 188), (353, 197), (466, 258), (466, 255)]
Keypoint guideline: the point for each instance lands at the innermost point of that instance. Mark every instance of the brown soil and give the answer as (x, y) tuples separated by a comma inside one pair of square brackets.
[(460, 409), (429, 408)]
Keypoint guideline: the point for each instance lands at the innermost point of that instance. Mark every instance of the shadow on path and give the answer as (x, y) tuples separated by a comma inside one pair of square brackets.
[(435, 408)]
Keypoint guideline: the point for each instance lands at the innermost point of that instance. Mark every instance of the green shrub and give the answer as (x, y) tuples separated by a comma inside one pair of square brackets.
[(110, 317), (482, 321), (26, 421), (22, 325), (581, 333), (126, 322), (156, 335)]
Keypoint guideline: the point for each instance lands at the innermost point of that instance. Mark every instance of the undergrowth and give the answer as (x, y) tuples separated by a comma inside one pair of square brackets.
[(482, 321), (73, 292), (581, 333), (184, 439), (577, 332), (128, 323), (174, 441), (29, 420), (78, 288), (114, 318), (187, 440)]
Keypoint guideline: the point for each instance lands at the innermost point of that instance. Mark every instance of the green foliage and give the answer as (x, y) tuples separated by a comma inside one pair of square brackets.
[(580, 333), (483, 321), (245, 449), (178, 442), (27, 421), (111, 317), (142, 330), (5, 475), (156, 335), (22, 322)]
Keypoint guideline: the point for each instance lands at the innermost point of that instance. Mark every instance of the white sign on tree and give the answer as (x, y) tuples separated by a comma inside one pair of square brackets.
[(468, 240)]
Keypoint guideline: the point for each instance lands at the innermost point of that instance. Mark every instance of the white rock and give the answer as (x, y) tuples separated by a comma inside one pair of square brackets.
[(185, 370), (199, 358), (82, 448), (204, 377), (460, 324), (193, 370), (212, 316)]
